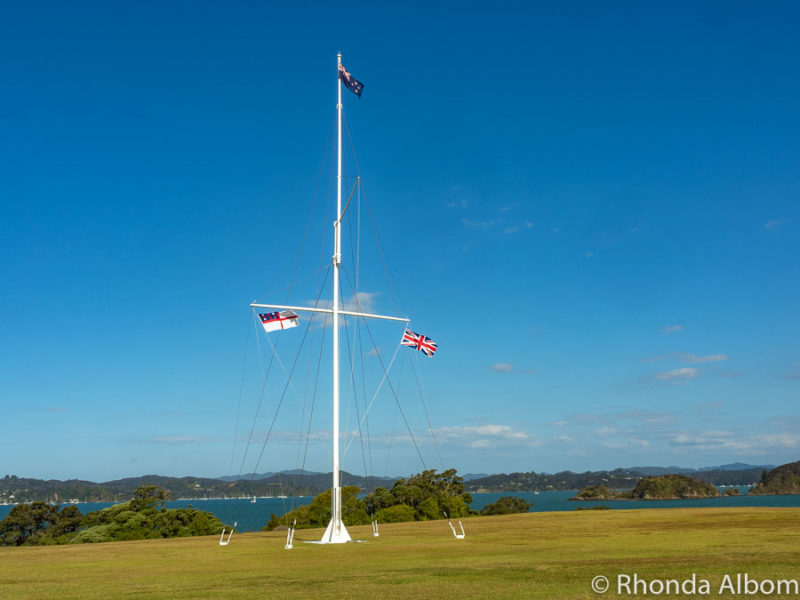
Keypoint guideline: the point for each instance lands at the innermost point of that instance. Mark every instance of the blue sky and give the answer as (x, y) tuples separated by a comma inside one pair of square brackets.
[(594, 210)]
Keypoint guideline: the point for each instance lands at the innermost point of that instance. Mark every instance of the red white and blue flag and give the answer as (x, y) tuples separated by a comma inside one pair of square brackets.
[(420, 342), (275, 321), (350, 82)]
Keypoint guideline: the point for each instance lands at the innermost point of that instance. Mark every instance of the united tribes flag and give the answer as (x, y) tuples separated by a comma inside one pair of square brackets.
[(275, 321), (350, 82), (420, 342)]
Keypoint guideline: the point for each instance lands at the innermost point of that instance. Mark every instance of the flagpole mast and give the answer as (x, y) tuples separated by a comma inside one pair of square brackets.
[(336, 532)]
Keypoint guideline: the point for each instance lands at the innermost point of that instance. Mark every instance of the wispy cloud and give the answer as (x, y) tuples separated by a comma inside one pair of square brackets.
[(702, 359), (635, 416), (479, 224), (654, 358), (486, 436), (795, 374), (502, 367), (516, 228), (772, 223), (181, 439), (483, 431), (671, 328), (588, 254), (361, 301), (726, 440), (679, 375), (686, 357)]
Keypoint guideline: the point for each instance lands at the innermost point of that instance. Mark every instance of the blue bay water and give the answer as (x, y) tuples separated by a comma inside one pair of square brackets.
[(252, 516)]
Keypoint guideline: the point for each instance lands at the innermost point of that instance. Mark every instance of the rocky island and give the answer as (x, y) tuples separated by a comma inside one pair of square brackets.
[(662, 487)]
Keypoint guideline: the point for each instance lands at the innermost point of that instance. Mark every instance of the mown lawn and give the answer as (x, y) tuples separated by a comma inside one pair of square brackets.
[(535, 555)]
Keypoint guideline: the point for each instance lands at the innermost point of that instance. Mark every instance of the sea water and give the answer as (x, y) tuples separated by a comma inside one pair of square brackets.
[(252, 516)]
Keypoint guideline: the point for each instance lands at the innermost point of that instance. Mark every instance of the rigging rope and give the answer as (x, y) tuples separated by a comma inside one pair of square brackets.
[(241, 393), (386, 269), (427, 415)]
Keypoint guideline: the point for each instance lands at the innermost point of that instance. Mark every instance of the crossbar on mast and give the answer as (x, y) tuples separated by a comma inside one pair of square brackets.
[(349, 313)]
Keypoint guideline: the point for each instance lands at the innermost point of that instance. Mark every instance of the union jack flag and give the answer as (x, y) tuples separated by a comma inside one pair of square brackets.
[(420, 342)]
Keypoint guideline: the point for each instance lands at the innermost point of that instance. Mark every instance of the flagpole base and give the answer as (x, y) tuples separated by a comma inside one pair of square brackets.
[(336, 533)]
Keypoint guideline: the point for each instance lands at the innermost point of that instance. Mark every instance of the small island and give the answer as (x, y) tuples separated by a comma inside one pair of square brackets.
[(661, 487), (784, 479)]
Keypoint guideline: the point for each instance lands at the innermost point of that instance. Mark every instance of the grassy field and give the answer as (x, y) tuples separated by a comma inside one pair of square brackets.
[(535, 555)]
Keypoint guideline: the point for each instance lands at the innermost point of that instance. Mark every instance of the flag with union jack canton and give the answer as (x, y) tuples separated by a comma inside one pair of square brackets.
[(350, 82), (420, 342), (275, 321)]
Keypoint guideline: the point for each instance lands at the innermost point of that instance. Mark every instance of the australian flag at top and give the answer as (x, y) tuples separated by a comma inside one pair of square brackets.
[(424, 344), (350, 82)]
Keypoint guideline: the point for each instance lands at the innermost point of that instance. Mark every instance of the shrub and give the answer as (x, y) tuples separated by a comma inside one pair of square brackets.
[(399, 513), (506, 505)]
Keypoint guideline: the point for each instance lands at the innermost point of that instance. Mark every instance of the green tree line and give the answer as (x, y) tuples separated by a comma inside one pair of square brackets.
[(143, 517)]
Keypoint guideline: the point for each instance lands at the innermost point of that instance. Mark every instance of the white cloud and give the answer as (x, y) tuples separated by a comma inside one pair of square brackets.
[(726, 440), (588, 254), (502, 367), (484, 431), (702, 359), (361, 301), (679, 375), (671, 328)]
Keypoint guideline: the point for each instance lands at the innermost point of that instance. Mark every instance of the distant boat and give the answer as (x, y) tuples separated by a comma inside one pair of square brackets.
[(253, 501)]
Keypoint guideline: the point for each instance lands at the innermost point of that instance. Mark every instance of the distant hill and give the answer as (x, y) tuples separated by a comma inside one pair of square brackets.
[(729, 467), (780, 480), (16, 490), (265, 475), (616, 479), (737, 467), (471, 476)]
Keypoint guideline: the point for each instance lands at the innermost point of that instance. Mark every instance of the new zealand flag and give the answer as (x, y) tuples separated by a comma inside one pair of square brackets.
[(350, 82)]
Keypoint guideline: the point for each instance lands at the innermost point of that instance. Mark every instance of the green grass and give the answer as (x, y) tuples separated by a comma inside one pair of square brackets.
[(535, 555)]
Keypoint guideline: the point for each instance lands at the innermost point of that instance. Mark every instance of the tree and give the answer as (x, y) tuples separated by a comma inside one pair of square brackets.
[(38, 523), (318, 513), (148, 497), (429, 494), (506, 505)]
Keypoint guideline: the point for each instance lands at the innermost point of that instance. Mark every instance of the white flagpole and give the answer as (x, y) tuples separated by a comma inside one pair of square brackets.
[(336, 532)]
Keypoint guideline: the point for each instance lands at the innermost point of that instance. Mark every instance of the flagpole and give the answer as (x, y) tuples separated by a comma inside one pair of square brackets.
[(336, 532)]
